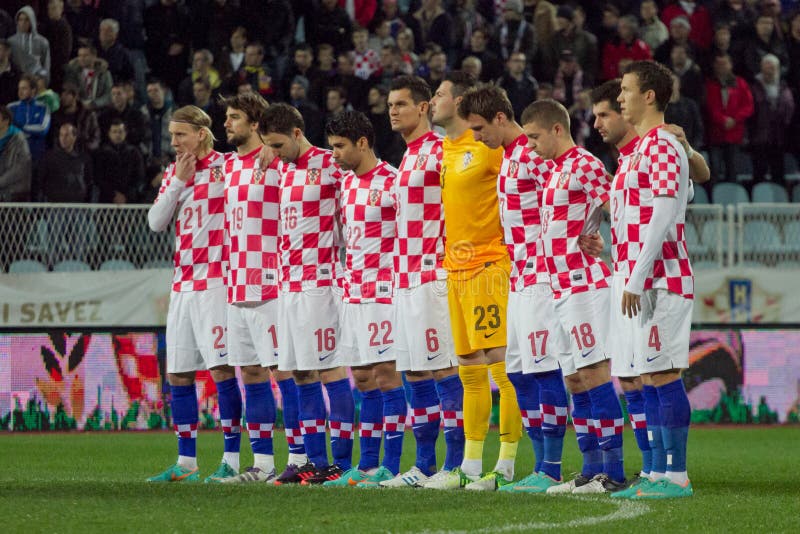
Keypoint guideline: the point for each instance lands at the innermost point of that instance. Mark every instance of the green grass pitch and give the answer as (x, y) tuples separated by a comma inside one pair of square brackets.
[(745, 480)]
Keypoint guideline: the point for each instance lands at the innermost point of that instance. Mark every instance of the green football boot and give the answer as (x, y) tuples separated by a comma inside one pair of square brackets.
[(177, 473)]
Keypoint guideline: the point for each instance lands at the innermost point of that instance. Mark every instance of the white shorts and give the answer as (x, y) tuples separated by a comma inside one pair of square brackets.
[(308, 336), (584, 317), (253, 333), (368, 334), (424, 340), (196, 330), (622, 333), (663, 337), (536, 341)]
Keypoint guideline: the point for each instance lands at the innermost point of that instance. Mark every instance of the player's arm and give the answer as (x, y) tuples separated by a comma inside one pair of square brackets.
[(175, 178), (698, 166)]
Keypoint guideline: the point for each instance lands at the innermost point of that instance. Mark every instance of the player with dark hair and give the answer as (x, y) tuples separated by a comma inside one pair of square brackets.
[(478, 267), (536, 341), (424, 342), (309, 307), (369, 218)]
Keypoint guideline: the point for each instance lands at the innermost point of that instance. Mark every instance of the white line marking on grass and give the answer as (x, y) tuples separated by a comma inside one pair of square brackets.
[(625, 510)]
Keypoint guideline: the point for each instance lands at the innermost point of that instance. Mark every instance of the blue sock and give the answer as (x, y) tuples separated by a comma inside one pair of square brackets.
[(230, 413), (584, 432), (451, 400), (527, 389), (652, 411), (291, 420), (636, 414), (607, 414), (260, 415), (553, 397), (676, 413), (340, 422), (184, 418), (370, 429), (425, 422), (312, 422), (394, 425)]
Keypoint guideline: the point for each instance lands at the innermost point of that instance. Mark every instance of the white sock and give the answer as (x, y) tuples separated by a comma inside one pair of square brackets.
[(655, 477), (232, 459), (678, 477), (265, 462), (472, 467), (297, 459), (642, 474), (187, 462), (506, 467)]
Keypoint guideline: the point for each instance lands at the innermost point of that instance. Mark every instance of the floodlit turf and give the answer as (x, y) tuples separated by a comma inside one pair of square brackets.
[(745, 480)]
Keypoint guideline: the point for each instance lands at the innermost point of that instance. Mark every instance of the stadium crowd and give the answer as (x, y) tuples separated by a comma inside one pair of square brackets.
[(91, 84)]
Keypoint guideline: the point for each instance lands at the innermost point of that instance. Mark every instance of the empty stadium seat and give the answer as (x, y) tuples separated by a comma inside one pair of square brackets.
[(71, 266), (769, 192), (796, 193), (710, 232), (761, 236), (26, 267), (788, 265), (727, 193), (693, 239), (705, 265), (791, 236), (700, 195), (117, 265)]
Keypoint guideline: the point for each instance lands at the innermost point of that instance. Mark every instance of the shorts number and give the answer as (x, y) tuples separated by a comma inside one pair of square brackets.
[(374, 331), (432, 340), (493, 311), (289, 218), (353, 237), (535, 336), (220, 333), (585, 335), (237, 216), (189, 214), (326, 339), (653, 340), (272, 332)]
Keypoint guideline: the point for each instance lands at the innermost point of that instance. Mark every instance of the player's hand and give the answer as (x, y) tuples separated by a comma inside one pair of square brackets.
[(631, 304), (679, 134), (265, 157), (591, 244), (184, 166)]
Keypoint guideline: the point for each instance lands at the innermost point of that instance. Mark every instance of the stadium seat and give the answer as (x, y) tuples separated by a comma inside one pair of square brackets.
[(158, 264), (700, 195), (693, 239), (117, 265), (769, 192), (26, 267), (705, 265), (710, 232), (726, 193), (791, 236), (761, 236), (788, 265), (71, 266), (796, 193)]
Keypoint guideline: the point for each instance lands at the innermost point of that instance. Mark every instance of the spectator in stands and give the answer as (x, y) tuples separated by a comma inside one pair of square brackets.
[(699, 19), (203, 98), (271, 23), (30, 50), (65, 172), (654, 32), (158, 113), (389, 146), (331, 24), (437, 69), (569, 79), (581, 43), (609, 23), (738, 16), (729, 103), (137, 132), (118, 167), (303, 65), (582, 122), (685, 112), (625, 49), (391, 65), (765, 40), (312, 116), (153, 173), (720, 44), (216, 21), (45, 95), (491, 64), (336, 102), (382, 36), (32, 117), (90, 75), (231, 58), (55, 28), (472, 66), (435, 24), (202, 69), (74, 112), (405, 41), (114, 52), (773, 109), (679, 29), (792, 50), (367, 61), (15, 161), (514, 34), (84, 19), (518, 84), (256, 72), (130, 15), (6, 24), (542, 14), (545, 90), (692, 84), (167, 25), (466, 19), (355, 88), (9, 75)]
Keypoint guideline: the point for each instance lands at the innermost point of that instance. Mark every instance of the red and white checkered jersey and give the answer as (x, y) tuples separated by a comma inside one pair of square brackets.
[(309, 200), (577, 188), (619, 233), (519, 190), (251, 224), (420, 217), (658, 167), (366, 63), (369, 223), (200, 224)]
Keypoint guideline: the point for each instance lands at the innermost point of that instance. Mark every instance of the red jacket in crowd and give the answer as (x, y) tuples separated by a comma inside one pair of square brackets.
[(364, 10), (739, 107), (702, 31), (616, 51)]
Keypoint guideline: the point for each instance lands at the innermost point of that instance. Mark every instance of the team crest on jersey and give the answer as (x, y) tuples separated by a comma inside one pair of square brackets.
[(258, 176), (312, 176), (563, 179), (216, 174), (374, 197), (513, 167), (421, 163), (467, 159)]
